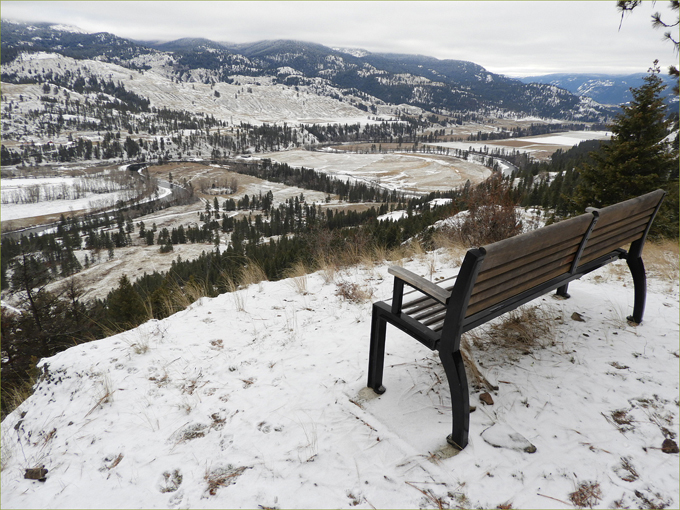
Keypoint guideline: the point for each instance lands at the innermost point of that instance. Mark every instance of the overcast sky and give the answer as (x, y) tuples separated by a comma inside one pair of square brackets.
[(506, 37)]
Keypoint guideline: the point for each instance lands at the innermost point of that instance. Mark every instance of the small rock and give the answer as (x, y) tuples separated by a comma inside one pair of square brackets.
[(38, 473), (577, 317), (669, 446), (504, 436), (486, 398)]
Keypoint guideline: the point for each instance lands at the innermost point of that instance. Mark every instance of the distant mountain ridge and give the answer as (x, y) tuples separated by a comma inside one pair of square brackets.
[(437, 86), (603, 88)]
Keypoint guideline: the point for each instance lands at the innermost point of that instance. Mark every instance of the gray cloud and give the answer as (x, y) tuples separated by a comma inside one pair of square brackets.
[(514, 38)]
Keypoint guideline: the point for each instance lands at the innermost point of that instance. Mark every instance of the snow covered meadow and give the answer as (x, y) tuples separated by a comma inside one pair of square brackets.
[(257, 399)]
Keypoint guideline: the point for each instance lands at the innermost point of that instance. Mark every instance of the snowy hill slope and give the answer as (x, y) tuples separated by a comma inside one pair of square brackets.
[(258, 398), (247, 99)]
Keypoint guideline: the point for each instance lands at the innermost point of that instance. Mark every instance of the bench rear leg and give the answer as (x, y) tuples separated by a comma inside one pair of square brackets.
[(460, 398), (562, 291), (376, 356), (637, 270)]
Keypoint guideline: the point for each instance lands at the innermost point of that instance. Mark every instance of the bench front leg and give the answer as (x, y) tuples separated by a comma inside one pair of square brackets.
[(376, 355), (460, 398)]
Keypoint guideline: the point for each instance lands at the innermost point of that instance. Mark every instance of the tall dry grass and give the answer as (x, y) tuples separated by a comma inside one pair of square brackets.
[(662, 259)]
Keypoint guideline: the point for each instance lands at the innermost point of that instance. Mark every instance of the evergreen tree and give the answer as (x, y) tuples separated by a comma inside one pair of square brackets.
[(125, 306), (639, 159)]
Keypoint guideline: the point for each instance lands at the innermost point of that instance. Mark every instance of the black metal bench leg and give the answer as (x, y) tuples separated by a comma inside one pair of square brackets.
[(460, 398), (637, 269), (376, 356), (562, 291)]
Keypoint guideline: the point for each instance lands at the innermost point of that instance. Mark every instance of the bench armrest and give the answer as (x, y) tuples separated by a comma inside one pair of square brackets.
[(418, 282)]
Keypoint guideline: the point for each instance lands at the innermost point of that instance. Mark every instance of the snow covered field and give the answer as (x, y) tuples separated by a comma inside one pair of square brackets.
[(258, 399), (10, 212), (405, 172), (540, 147)]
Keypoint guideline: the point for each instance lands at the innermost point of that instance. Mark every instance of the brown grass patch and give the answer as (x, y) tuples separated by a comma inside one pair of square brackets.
[(662, 258), (587, 494), (222, 477), (519, 331)]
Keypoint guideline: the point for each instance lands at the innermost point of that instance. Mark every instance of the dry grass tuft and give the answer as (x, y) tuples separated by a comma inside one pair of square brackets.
[(624, 422), (454, 249), (587, 494), (353, 292), (298, 276), (171, 481), (519, 331), (104, 396), (222, 477), (16, 395), (251, 273), (327, 266)]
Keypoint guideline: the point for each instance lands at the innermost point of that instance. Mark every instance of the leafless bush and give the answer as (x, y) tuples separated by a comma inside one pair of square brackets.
[(491, 215)]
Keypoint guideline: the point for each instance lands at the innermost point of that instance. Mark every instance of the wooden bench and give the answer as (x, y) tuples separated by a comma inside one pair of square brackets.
[(502, 276)]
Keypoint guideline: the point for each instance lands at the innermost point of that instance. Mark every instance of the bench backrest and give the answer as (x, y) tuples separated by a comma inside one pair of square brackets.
[(622, 224), (515, 266)]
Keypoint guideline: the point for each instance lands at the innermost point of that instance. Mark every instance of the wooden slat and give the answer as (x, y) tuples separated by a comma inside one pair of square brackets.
[(481, 301), (622, 210), (550, 253), (496, 276), (602, 228), (424, 314)]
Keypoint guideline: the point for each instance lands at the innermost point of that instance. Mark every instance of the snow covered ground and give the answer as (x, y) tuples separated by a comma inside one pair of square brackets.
[(89, 202), (540, 147), (400, 171), (258, 399), (248, 99)]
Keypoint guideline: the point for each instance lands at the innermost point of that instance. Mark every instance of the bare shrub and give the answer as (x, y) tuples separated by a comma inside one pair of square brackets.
[(491, 215)]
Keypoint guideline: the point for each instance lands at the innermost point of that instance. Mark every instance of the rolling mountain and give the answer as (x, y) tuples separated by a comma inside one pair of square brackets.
[(605, 89), (437, 86)]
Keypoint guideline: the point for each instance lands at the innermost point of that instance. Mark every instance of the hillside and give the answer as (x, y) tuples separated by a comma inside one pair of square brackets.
[(257, 399), (362, 79)]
